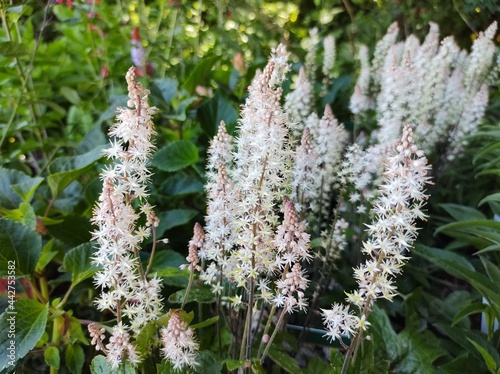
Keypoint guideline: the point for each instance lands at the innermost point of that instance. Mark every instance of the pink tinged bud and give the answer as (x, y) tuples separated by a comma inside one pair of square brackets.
[(239, 63), (104, 72), (265, 338)]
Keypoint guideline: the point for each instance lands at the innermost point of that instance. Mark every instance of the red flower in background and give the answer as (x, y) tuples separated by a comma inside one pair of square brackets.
[(69, 3)]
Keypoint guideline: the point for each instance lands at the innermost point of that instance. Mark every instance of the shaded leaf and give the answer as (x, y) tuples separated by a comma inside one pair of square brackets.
[(167, 88), (175, 156), (13, 49), (19, 244), (65, 170), (284, 361), (181, 184), (200, 73), (462, 213), (467, 311), (16, 187), (488, 359), (173, 218), (215, 110), (208, 363), (73, 231), (30, 322), (205, 323), (201, 294), (52, 357), (78, 262), (75, 358)]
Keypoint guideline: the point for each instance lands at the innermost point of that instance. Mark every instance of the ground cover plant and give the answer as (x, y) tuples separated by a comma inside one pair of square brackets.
[(262, 187)]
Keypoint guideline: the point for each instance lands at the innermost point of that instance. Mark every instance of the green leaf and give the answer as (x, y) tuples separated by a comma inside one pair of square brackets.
[(165, 259), (13, 49), (94, 139), (284, 361), (175, 156), (47, 255), (71, 95), (173, 218), (76, 332), (181, 184), (100, 365), (463, 337), (454, 265), (20, 245), (52, 357), (490, 198), (462, 213), (234, 364), (78, 262), (29, 216), (173, 276), (26, 187), (65, 170), (410, 351), (145, 338), (467, 311), (201, 294), (317, 365), (73, 231), (436, 255), (467, 224), (336, 359), (30, 320), (200, 73), (167, 88), (490, 362), (215, 110), (490, 248), (75, 358), (208, 363), (492, 270), (205, 323), (489, 148), (16, 187)]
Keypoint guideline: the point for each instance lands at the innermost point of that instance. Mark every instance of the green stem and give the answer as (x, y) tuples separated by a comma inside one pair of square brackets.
[(188, 289), (266, 329), (276, 329)]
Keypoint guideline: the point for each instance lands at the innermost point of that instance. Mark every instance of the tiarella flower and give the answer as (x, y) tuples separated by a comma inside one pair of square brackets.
[(299, 104), (303, 181), (262, 171), (194, 245), (292, 243), (329, 142), (470, 119), (328, 57), (97, 335), (398, 93), (179, 345), (125, 290), (119, 347), (381, 49), (480, 59), (312, 52), (391, 235), (360, 99)]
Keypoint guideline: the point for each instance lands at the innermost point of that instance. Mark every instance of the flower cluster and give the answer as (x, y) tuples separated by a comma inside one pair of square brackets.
[(125, 289), (330, 139), (299, 104), (179, 345), (436, 87), (292, 243), (391, 235), (261, 171)]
